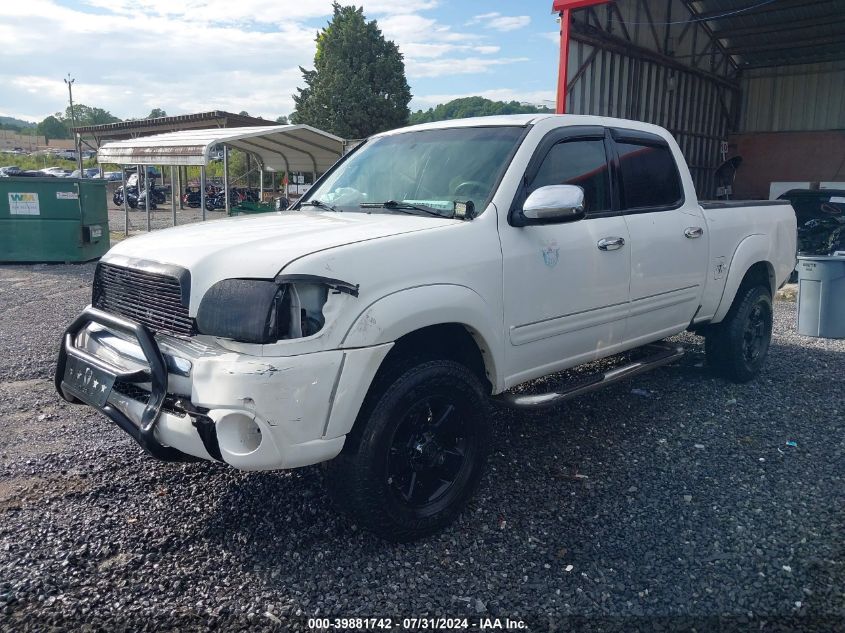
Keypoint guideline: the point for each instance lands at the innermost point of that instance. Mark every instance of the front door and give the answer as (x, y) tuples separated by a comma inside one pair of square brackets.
[(565, 284)]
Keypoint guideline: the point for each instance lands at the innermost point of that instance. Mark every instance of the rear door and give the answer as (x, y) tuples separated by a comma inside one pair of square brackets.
[(668, 237), (565, 290)]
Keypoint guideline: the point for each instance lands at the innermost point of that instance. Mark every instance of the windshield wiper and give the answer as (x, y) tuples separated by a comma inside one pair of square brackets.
[(318, 204), (395, 205)]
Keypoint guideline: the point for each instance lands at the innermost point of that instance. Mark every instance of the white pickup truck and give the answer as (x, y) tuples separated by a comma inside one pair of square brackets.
[(431, 268)]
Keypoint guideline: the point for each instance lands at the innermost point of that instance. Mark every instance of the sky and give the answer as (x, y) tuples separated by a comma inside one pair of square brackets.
[(129, 56)]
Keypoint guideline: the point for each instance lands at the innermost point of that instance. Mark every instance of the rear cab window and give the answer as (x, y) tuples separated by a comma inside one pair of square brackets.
[(648, 173)]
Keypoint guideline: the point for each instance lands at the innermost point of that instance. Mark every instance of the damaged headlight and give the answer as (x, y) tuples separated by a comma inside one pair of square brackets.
[(267, 310)]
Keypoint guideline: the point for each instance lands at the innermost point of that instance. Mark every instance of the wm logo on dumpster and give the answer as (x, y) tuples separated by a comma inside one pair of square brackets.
[(24, 204)]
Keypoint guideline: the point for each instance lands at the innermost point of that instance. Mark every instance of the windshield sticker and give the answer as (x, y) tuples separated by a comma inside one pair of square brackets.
[(443, 205)]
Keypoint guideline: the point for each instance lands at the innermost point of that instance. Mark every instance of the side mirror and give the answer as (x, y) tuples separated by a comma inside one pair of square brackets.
[(554, 203)]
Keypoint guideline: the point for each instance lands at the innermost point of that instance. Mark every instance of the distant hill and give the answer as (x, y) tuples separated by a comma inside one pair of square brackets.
[(473, 106), (11, 123)]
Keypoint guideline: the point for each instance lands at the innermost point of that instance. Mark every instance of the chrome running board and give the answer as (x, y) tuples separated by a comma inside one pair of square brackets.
[(658, 355)]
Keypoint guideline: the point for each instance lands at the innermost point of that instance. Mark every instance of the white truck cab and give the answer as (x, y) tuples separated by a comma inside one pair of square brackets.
[(431, 268)]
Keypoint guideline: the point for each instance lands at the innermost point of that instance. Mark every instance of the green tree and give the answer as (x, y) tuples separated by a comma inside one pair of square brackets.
[(474, 106), (86, 115), (52, 127), (282, 120), (156, 113), (358, 85), (16, 125)]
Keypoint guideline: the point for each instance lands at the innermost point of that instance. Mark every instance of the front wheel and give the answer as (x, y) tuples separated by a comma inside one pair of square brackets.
[(737, 347), (417, 453)]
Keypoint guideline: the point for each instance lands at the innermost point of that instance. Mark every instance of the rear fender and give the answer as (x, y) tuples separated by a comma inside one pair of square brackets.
[(751, 250)]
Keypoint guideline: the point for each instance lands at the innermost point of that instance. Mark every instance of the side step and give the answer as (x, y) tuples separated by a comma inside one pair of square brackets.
[(657, 354)]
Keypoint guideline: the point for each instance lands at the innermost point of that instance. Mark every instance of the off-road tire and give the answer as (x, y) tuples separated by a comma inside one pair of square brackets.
[(360, 479), (736, 348)]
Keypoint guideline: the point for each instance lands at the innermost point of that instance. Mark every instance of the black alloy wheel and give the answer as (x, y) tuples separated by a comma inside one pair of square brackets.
[(737, 347), (417, 451), (755, 338), (430, 453)]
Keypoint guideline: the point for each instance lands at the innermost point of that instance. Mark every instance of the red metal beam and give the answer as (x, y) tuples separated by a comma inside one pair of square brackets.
[(560, 5), (564, 9)]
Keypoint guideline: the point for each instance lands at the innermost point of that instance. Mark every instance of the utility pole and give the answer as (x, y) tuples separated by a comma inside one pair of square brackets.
[(76, 139)]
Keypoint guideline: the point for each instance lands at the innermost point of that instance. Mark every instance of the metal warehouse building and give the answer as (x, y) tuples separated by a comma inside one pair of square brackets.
[(759, 79)]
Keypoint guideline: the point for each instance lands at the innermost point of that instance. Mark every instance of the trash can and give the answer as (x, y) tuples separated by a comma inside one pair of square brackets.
[(53, 219), (821, 296)]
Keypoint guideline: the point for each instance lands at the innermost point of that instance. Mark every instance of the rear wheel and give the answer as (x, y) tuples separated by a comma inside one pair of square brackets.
[(417, 453), (737, 347)]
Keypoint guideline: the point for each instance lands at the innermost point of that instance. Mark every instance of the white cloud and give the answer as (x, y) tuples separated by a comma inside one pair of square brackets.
[(259, 11), (433, 49), (129, 56), (419, 37), (499, 22), (459, 65), (552, 36), (180, 62), (18, 115)]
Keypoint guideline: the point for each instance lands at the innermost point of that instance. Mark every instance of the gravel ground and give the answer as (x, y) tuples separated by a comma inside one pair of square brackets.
[(160, 218), (689, 503)]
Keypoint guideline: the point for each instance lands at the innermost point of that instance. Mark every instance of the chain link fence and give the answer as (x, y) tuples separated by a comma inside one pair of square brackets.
[(162, 217)]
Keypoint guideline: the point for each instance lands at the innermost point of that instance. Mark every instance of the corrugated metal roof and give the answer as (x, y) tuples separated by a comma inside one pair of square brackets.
[(764, 33), (214, 117), (280, 147)]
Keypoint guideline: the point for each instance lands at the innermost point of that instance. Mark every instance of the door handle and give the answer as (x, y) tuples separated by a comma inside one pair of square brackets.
[(610, 243), (693, 232)]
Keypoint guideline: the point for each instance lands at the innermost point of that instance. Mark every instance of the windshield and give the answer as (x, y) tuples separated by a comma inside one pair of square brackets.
[(431, 168)]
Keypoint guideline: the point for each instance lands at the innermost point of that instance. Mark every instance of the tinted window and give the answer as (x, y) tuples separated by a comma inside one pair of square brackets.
[(649, 176), (581, 163)]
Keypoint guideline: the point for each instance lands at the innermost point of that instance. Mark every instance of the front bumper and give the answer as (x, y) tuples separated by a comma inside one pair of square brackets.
[(183, 399)]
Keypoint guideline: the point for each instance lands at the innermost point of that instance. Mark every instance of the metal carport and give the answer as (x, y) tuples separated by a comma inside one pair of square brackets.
[(721, 75), (277, 148)]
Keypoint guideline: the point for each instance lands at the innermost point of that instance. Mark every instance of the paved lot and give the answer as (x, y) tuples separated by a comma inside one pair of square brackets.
[(684, 506)]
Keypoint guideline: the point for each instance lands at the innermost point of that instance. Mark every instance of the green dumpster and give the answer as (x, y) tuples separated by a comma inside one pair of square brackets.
[(249, 208), (53, 219)]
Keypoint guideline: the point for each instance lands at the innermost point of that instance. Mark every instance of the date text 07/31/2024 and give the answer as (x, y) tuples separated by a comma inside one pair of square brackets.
[(417, 624)]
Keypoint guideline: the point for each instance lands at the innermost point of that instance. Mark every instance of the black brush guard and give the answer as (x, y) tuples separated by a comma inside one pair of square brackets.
[(144, 433)]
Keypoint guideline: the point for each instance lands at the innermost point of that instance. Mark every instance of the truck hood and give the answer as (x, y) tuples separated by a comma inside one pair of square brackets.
[(261, 245)]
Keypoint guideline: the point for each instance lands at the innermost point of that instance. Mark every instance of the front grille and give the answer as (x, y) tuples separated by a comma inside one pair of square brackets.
[(150, 298), (132, 391)]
